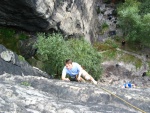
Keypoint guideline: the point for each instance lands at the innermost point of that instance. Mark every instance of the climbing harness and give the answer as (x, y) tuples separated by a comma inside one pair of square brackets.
[(122, 100)]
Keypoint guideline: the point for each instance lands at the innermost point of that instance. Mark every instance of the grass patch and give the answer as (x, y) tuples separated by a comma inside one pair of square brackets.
[(148, 73), (109, 55), (102, 46), (109, 52), (107, 45), (25, 83), (111, 43), (130, 59), (120, 56), (108, 49), (105, 27)]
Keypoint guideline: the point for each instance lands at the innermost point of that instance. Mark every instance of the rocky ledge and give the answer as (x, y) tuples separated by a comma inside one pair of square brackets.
[(32, 94)]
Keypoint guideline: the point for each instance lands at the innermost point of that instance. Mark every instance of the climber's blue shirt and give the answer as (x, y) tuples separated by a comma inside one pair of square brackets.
[(74, 71)]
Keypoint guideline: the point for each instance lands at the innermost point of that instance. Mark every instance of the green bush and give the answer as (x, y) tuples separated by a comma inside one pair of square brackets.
[(144, 32), (144, 7), (22, 36), (86, 55), (7, 33), (54, 50), (129, 18), (9, 38)]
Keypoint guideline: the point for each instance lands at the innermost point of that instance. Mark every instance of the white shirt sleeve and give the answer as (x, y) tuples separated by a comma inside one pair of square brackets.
[(64, 71)]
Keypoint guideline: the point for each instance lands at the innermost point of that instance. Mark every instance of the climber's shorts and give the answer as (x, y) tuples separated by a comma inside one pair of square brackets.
[(73, 78), (85, 75)]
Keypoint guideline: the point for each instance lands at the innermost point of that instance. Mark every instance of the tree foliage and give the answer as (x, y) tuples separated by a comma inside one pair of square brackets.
[(145, 29), (144, 7), (128, 16), (134, 24), (86, 55), (54, 50)]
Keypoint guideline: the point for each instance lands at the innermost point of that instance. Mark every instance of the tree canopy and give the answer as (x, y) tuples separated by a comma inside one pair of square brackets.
[(134, 19)]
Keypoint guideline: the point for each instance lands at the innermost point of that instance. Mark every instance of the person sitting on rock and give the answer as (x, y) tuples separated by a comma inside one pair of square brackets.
[(75, 72)]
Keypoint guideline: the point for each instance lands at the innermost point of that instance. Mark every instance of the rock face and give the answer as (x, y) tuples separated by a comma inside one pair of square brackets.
[(13, 64), (118, 72), (118, 75), (23, 89), (30, 94), (72, 17), (108, 20)]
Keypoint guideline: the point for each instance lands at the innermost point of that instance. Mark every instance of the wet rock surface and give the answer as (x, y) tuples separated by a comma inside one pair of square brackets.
[(30, 94)]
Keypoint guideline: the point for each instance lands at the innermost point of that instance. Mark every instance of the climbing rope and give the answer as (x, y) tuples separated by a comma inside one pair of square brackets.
[(122, 100)]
